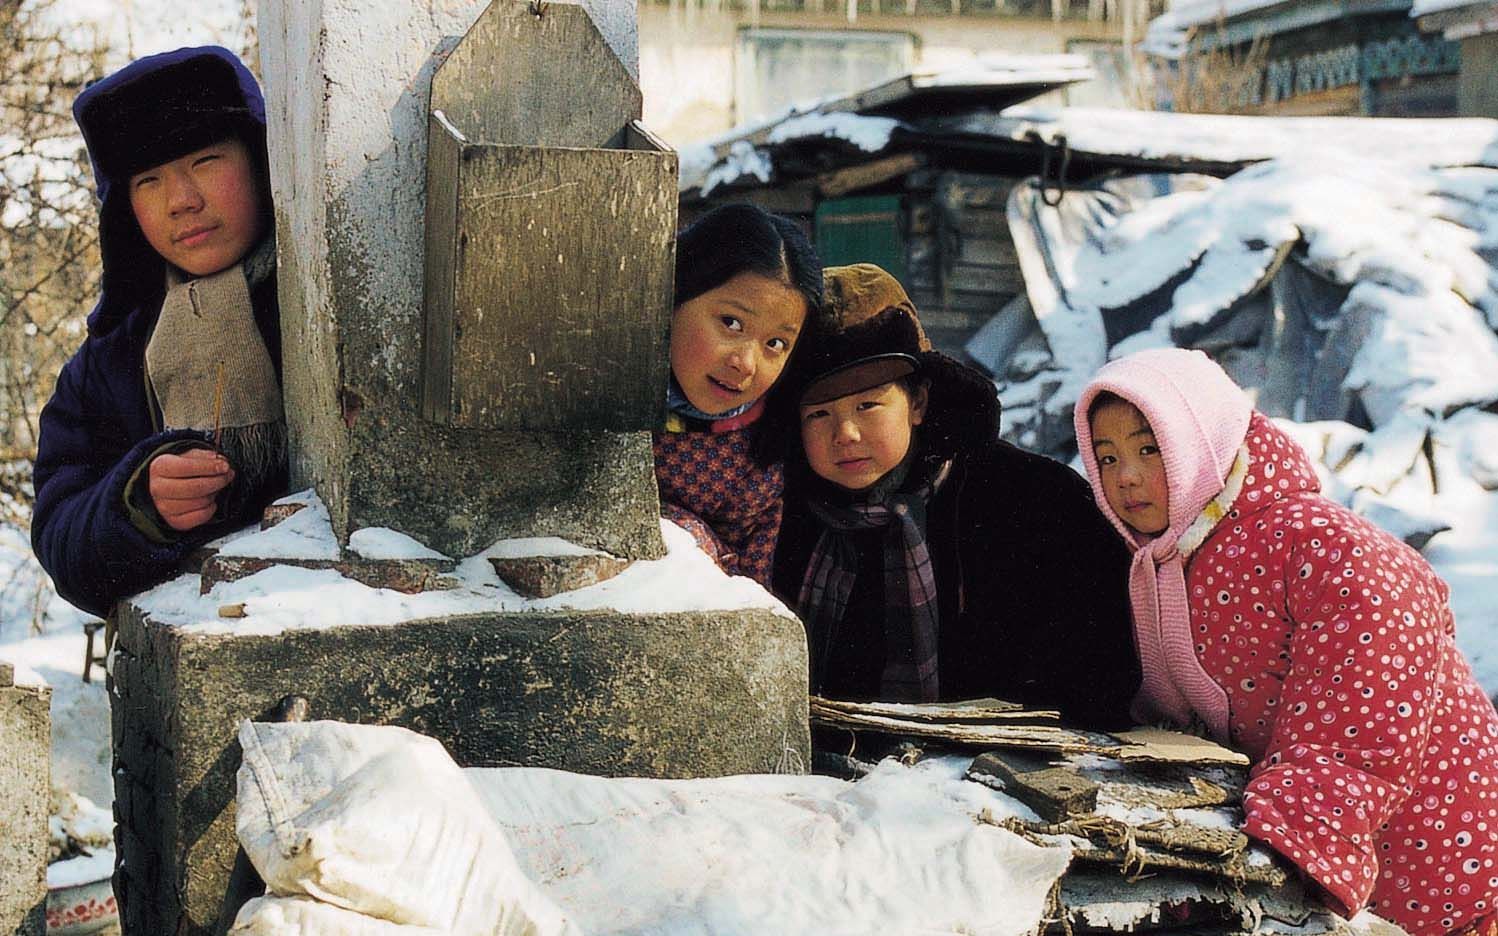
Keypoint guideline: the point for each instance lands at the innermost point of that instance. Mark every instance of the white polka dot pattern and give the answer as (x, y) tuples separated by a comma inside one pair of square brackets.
[(1376, 753)]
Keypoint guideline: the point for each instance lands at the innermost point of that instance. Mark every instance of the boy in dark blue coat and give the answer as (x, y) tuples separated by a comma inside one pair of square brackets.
[(166, 428)]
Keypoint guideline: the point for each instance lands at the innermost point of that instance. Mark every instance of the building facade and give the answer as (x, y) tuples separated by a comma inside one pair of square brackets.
[(1475, 27), (707, 66), (1364, 58)]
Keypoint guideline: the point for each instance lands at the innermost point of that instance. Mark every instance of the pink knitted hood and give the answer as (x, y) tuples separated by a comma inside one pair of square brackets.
[(1199, 418)]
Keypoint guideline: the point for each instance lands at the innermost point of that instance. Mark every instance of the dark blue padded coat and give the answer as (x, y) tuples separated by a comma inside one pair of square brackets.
[(100, 425)]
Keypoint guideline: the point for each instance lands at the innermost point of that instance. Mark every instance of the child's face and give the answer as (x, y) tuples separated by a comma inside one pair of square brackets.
[(730, 344), (201, 212), (855, 440), (1130, 466)]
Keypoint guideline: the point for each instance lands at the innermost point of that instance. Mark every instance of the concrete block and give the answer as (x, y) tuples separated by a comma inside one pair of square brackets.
[(667, 695), (347, 91), (25, 782)]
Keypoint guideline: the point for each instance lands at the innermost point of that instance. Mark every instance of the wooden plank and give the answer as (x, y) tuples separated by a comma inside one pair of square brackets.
[(852, 178), (526, 80), (988, 251), (790, 200), (562, 297), (444, 151), (1161, 746), (972, 711), (988, 280), (1034, 737), (1054, 792)]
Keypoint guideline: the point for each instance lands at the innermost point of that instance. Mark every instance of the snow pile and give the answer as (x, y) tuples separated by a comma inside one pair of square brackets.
[(383, 543), (306, 534)]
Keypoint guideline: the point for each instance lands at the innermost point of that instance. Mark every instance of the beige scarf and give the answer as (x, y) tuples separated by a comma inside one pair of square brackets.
[(207, 329)]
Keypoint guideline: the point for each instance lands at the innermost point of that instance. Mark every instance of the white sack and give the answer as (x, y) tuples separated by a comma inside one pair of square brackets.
[(901, 851), (380, 821), (303, 916)]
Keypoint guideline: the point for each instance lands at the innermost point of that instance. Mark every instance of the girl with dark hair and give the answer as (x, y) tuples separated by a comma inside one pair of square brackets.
[(748, 287)]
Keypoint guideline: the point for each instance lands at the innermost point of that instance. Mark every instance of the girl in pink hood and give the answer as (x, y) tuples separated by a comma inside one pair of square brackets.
[(1302, 634)]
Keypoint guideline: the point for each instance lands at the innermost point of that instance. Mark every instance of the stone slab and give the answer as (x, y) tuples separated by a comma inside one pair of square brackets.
[(666, 695), (544, 576), (25, 782), (1054, 792)]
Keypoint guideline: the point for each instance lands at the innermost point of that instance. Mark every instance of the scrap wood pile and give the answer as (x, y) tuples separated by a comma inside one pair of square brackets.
[(1153, 817)]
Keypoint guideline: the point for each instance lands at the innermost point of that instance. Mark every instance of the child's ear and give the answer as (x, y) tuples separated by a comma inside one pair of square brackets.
[(919, 397)]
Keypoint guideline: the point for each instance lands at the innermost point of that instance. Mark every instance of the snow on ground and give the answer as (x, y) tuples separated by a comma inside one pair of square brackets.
[(43, 636)]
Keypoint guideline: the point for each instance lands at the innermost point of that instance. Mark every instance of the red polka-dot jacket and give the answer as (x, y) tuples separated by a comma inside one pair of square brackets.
[(1375, 751), (712, 485)]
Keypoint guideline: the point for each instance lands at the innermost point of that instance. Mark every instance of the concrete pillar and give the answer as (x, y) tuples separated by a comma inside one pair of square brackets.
[(25, 786), (668, 694), (347, 86)]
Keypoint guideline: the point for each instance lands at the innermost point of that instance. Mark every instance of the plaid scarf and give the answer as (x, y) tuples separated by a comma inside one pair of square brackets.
[(910, 605)]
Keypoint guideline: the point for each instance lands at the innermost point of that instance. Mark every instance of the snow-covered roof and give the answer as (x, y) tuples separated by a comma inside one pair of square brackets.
[(1427, 7), (1221, 138), (1114, 138), (1457, 19), (1197, 12), (866, 118)]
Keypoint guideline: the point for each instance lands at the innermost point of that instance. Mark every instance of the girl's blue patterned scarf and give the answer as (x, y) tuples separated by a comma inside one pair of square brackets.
[(677, 402)]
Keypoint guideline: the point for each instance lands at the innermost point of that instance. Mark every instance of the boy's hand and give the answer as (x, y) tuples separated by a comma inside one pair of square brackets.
[(184, 487)]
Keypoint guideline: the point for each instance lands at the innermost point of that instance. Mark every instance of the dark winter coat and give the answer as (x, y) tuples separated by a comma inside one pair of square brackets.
[(99, 428), (1031, 579)]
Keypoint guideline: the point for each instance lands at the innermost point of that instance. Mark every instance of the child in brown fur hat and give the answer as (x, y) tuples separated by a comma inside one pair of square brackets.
[(930, 560)]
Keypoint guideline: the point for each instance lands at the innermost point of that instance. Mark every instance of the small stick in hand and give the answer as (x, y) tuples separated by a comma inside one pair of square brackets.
[(218, 406)]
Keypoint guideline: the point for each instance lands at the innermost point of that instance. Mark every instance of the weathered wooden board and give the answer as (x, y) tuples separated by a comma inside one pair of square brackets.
[(1161, 746), (561, 265), (1054, 792), (970, 711), (550, 232), (526, 80), (1042, 737)]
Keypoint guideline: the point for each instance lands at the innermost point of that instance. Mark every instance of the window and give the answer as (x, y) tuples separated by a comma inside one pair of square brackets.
[(775, 68)]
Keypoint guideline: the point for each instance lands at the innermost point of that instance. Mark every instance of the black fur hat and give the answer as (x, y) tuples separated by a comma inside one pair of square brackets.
[(167, 113)]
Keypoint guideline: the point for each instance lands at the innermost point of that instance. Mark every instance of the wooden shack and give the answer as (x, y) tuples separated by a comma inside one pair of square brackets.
[(914, 175)]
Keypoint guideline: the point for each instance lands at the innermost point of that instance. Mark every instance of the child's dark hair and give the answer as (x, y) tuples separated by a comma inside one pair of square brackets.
[(1101, 400), (742, 238), (735, 239)]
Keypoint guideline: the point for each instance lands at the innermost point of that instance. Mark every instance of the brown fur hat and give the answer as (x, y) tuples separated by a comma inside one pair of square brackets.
[(874, 336)]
